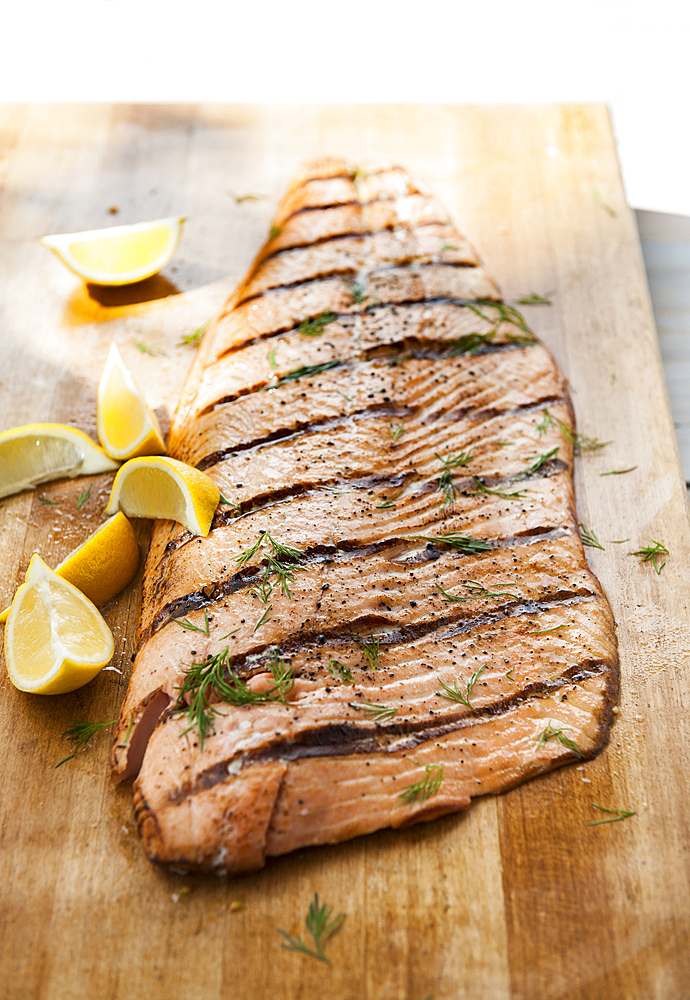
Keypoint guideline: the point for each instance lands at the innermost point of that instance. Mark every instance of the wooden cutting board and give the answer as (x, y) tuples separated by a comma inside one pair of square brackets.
[(518, 898)]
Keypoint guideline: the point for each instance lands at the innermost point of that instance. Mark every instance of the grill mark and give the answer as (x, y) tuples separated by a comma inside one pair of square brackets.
[(384, 410), (327, 275), (346, 551), (348, 235), (435, 300), (346, 739)]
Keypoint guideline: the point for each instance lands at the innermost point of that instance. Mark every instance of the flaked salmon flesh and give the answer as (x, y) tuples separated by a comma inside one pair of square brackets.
[(397, 538)]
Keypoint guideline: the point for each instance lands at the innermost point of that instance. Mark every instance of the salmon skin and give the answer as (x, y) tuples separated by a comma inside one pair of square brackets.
[(392, 612)]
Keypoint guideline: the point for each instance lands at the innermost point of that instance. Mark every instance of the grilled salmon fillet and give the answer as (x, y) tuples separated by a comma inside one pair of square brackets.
[(392, 612)]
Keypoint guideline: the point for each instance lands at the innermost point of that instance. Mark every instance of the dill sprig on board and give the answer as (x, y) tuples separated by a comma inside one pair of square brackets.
[(616, 814), (397, 432), (314, 326), (80, 733), (155, 352), (304, 372), (83, 497), (457, 541), (212, 678), (319, 926), (379, 713), (618, 472), (370, 648), (194, 339), (462, 697), (589, 538), (551, 733), (240, 198), (53, 503), (534, 299), (427, 786), (579, 442), (652, 552)]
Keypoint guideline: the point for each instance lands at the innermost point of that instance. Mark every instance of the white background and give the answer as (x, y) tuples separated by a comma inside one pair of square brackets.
[(633, 56)]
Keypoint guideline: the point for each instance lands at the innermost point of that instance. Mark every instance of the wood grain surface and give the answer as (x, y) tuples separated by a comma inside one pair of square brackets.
[(518, 898)]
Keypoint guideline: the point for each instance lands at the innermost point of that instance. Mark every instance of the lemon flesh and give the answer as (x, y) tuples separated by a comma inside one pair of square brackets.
[(121, 254), (126, 426), (163, 487), (104, 564), (55, 639), (38, 453)]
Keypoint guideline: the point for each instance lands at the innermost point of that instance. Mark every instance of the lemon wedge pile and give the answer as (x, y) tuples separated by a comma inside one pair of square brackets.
[(36, 453), (104, 564), (163, 487), (55, 638), (119, 255), (126, 426)]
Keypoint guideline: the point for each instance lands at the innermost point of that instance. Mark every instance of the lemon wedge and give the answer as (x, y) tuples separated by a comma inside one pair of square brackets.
[(55, 640), (163, 487), (121, 254), (126, 426), (37, 453), (104, 564)]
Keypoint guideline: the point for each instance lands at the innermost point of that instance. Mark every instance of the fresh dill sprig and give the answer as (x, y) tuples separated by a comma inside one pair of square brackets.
[(551, 733), (274, 231), (505, 314), (370, 648), (240, 198), (264, 618), (80, 733), (449, 246), (319, 926), (508, 673), (616, 815), (457, 541), (155, 352), (555, 628), (427, 786), (305, 371), (53, 503), (272, 359), (589, 538), (463, 697), (397, 432), (450, 598), (607, 208), (539, 462), (482, 488), (469, 344), (282, 561), (358, 289), (213, 677), (653, 552), (388, 505), (579, 442), (337, 668), (314, 326), (379, 713), (195, 338), (445, 482), (534, 299), (618, 472), (477, 590), (228, 503), (185, 623), (130, 727), (83, 497)]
